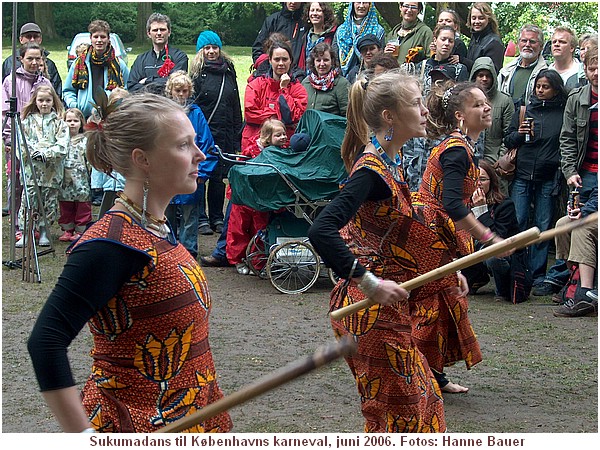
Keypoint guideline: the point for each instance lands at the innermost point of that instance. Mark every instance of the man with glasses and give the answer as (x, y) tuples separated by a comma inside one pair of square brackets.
[(410, 33), (517, 77), (31, 32)]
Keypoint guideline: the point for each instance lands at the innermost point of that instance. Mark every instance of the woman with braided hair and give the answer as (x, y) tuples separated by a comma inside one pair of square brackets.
[(142, 294), (96, 67)]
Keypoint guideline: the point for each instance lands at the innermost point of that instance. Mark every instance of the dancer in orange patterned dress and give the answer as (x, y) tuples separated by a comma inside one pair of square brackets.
[(144, 297), (381, 244), (459, 112)]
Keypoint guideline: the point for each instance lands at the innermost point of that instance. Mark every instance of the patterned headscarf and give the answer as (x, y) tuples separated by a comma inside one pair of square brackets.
[(81, 77), (348, 34)]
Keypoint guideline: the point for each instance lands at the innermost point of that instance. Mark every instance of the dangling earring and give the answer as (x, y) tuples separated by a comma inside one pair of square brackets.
[(145, 189), (390, 134)]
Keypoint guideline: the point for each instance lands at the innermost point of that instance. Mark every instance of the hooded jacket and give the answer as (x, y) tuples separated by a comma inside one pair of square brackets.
[(538, 159), (263, 100), (485, 43), (502, 113), (286, 22)]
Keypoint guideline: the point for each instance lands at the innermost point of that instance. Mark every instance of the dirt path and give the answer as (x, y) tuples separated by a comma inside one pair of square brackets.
[(539, 372)]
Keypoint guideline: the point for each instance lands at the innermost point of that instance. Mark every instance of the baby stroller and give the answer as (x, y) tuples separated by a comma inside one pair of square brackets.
[(294, 187)]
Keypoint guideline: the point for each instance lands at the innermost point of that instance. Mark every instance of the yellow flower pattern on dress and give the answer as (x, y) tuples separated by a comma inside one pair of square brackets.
[(161, 360), (197, 279), (106, 381), (368, 389), (113, 319), (403, 361)]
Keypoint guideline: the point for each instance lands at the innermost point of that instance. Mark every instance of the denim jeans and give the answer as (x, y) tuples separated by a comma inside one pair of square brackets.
[(500, 269), (524, 193), (220, 250)]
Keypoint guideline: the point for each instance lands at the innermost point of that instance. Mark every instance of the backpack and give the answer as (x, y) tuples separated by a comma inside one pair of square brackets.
[(568, 291), (521, 278)]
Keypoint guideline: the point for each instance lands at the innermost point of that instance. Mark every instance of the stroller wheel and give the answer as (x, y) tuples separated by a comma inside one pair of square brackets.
[(293, 267), (257, 255), (333, 277)]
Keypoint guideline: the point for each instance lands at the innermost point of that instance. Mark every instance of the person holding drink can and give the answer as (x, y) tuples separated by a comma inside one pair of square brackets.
[(537, 176)]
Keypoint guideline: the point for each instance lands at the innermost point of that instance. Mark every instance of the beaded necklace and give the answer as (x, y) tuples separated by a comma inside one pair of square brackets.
[(467, 140), (395, 167), (153, 224)]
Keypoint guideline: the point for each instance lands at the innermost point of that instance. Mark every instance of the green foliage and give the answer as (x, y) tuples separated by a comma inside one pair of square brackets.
[(580, 16)]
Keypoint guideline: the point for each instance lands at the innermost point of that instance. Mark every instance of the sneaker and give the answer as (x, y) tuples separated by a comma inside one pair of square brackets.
[(242, 268), (66, 236), (593, 295), (211, 261), (21, 242), (205, 230), (544, 289), (218, 228), (577, 308), (44, 241), (75, 236)]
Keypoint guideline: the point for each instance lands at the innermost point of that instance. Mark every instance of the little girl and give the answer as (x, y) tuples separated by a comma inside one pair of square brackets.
[(47, 137), (245, 222), (75, 194), (190, 207)]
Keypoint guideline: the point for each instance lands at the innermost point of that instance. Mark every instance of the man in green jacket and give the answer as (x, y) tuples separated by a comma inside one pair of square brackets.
[(409, 33)]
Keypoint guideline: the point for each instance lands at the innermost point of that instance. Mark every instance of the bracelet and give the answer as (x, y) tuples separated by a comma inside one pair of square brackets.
[(88, 430), (487, 236), (369, 284)]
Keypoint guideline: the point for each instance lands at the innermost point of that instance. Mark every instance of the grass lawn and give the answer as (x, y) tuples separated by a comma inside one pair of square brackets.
[(242, 58)]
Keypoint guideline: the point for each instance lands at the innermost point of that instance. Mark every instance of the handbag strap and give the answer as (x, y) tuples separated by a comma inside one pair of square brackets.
[(219, 100)]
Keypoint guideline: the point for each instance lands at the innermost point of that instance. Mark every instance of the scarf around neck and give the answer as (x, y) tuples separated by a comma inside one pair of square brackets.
[(349, 33), (324, 82), (81, 76)]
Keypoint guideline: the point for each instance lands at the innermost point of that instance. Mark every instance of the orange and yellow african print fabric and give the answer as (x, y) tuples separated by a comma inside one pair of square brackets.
[(152, 359)]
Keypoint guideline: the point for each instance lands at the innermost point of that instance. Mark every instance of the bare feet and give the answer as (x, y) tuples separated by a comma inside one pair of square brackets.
[(453, 388)]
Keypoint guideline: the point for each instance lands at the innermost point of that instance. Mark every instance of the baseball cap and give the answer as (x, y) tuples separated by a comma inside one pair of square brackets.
[(30, 28), (443, 72)]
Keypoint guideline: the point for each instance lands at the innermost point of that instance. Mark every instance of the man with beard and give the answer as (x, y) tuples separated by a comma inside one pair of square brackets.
[(517, 77)]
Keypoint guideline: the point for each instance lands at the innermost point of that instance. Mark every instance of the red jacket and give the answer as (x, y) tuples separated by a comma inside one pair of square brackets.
[(265, 100)]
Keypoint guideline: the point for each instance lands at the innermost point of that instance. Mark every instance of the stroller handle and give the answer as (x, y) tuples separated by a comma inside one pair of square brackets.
[(229, 157)]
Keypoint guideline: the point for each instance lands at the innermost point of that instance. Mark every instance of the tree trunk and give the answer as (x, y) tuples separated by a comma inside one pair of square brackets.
[(144, 9), (43, 16), (390, 12)]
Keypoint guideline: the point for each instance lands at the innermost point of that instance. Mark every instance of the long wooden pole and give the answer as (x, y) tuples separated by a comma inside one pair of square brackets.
[(344, 347), (523, 239)]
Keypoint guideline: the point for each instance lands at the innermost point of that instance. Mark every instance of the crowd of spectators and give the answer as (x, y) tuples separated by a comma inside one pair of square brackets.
[(303, 59)]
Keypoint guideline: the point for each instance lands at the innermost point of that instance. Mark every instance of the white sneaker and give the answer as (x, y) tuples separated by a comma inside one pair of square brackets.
[(21, 242), (44, 241)]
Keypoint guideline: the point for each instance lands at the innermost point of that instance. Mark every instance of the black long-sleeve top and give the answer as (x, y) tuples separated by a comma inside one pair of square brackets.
[(364, 185), (92, 275), (455, 165)]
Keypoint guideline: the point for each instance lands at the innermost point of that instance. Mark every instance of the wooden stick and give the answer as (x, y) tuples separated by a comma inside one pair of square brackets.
[(518, 240), (523, 239), (344, 347)]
